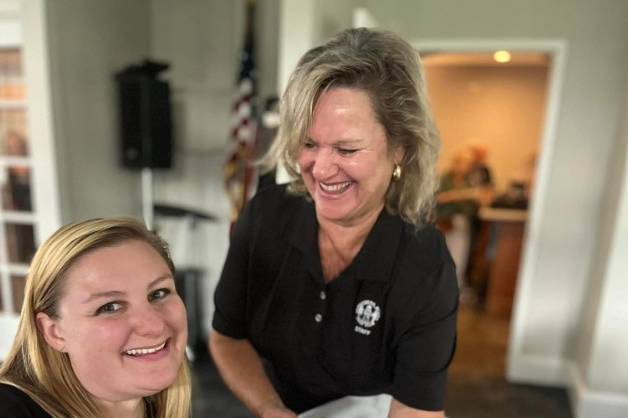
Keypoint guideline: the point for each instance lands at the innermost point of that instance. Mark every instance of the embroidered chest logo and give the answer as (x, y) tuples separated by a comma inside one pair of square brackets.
[(366, 315)]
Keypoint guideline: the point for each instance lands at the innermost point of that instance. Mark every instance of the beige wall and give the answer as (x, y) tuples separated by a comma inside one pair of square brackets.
[(88, 43), (500, 108)]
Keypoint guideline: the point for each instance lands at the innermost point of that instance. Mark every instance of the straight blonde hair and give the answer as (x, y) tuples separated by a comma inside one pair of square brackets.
[(45, 374)]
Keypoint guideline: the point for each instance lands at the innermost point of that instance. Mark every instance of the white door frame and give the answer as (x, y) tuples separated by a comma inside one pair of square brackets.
[(24, 26), (557, 50)]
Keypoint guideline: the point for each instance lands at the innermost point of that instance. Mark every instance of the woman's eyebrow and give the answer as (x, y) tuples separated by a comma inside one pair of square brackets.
[(340, 142), (345, 142), (105, 294), (159, 279), (118, 293)]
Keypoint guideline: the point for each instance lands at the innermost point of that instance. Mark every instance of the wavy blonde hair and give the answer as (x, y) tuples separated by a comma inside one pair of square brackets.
[(388, 69), (46, 374)]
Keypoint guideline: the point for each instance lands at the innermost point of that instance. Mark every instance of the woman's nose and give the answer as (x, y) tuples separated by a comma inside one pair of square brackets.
[(148, 321), (324, 165)]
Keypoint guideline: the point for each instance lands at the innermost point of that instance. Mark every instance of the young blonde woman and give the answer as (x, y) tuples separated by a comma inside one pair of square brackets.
[(102, 330)]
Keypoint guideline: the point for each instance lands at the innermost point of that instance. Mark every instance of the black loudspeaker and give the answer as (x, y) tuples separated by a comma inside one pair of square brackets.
[(145, 117)]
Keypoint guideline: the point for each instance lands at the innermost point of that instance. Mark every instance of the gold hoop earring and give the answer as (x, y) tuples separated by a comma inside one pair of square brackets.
[(397, 172)]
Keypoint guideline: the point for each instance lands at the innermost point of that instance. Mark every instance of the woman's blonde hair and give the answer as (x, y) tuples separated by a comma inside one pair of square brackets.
[(46, 374), (388, 69)]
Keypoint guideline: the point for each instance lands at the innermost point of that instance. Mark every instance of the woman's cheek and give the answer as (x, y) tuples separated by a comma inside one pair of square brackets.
[(176, 311), (111, 329)]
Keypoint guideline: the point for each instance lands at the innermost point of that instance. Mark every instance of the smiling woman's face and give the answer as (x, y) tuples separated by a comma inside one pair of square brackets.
[(345, 161), (121, 322)]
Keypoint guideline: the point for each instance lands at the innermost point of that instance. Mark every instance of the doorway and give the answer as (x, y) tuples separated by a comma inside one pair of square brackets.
[(494, 109)]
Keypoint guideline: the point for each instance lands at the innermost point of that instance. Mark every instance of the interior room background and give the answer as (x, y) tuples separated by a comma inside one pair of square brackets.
[(570, 316)]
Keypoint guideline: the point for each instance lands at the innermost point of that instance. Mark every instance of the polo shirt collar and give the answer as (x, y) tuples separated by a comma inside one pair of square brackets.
[(303, 235), (374, 261)]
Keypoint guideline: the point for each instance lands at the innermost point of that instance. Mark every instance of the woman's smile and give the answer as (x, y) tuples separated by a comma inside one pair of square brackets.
[(335, 188), (344, 161), (148, 352)]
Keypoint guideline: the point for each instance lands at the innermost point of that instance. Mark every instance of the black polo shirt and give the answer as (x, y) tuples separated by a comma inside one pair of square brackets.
[(17, 404), (387, 324)]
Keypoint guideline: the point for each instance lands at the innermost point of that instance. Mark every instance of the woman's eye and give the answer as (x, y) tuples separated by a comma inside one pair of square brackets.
[(159, 294), (346, 151), (308, 144), (109, 308)]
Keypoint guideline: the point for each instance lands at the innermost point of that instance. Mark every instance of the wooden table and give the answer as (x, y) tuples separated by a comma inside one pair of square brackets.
[(507, 227)]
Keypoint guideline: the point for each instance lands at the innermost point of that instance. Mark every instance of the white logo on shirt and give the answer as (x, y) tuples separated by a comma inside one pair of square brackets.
[(367, 314)]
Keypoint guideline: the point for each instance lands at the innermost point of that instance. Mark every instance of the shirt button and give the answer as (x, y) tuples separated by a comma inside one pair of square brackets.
[(318, 317), (323, 295)]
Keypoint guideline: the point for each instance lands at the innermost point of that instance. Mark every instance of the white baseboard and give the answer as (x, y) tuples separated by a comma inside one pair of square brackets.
[(544, 371), (549, 371), (590, 403)]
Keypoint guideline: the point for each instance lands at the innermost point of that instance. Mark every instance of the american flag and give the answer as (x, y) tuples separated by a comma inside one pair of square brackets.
[(239, 172)]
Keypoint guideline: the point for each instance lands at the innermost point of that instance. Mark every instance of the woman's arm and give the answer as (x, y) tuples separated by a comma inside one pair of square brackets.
[(241, 368), (399, 410)]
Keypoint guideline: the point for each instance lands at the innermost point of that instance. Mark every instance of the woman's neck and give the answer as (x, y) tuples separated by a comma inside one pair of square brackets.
[(133, 408), (339, 243), (355, 230)]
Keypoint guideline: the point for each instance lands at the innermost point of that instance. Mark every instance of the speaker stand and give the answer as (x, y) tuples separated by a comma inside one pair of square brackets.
[(147, 196)]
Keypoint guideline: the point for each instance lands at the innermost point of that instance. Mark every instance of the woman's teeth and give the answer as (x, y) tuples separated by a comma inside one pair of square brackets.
[(144, 351), (336, 187)]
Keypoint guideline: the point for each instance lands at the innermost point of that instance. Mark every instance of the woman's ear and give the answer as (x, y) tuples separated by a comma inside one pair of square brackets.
[(398, 155), (51, 331)]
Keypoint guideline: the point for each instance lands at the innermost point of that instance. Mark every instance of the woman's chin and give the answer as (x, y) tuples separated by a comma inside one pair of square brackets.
[(333, 213), (150, 387)]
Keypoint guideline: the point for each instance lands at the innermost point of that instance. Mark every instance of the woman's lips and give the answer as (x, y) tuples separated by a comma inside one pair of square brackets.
[(149, 353), (335, 188)]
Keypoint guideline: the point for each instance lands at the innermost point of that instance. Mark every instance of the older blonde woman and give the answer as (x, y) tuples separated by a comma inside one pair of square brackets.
[(335, 284), (102, 330)]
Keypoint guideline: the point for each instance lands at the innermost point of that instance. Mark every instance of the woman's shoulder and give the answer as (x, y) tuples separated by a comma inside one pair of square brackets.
[(275, 196), (426, 276), (424, 262), (274, 205), (17, 404), (426, 246)]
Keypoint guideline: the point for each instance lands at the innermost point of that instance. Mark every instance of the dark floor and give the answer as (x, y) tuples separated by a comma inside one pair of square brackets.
[(210, 397), (477, 387)]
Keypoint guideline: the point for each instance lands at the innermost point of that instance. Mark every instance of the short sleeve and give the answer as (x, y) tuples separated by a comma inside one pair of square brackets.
[(230, 295), (427, 345)]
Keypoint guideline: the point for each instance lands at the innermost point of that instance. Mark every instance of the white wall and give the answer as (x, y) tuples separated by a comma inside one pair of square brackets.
[(608, 367), (599, 372), (88, 43), (202, 39), (306, 23), (332, 16), (199, 39), (548, 315)]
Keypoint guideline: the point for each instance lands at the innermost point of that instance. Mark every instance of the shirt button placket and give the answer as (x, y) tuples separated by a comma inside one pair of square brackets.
[(318, 318)]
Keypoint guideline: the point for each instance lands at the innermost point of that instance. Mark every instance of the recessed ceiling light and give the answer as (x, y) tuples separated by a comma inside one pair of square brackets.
[(501, 56)]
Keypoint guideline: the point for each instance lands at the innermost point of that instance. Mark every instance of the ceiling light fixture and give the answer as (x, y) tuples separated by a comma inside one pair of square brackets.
[(501, 56)]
